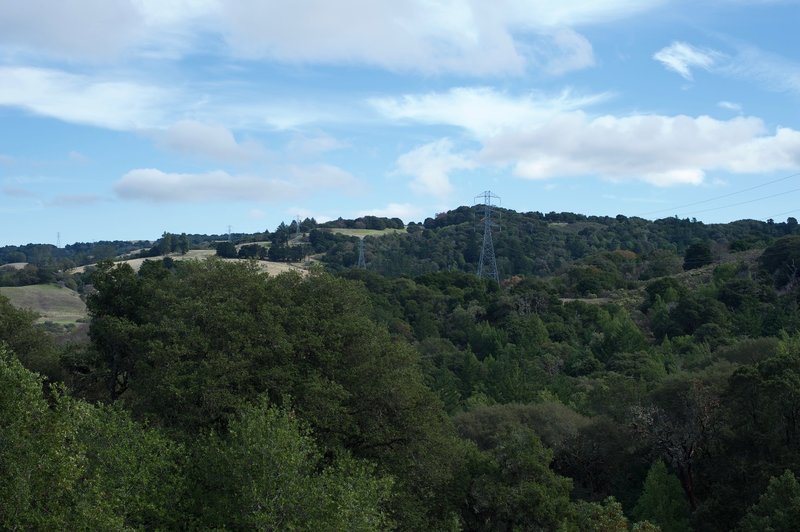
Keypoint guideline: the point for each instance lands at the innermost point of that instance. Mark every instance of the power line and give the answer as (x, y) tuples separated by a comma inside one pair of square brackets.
[(784, 213), (709, 200), (743, 202)]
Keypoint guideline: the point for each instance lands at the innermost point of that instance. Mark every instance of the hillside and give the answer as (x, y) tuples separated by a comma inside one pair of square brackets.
[(53, 303), (626, 366)]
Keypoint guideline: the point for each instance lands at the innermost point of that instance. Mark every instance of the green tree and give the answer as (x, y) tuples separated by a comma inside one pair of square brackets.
[(697, 255), (206, 339), (264, 472), (517, 490), (778, 509), (226, 250), (663, 501), (68, 465)]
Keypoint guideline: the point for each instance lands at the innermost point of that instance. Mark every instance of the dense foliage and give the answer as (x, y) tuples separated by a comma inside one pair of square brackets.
[(619, 392)]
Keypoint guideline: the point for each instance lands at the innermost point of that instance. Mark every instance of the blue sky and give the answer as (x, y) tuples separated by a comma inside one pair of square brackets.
[(122, 119)]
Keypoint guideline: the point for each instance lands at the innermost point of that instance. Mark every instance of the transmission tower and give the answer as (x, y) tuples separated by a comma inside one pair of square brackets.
[(297, 221), (487, 266), (58, 240), (229, 233), (362, 263)]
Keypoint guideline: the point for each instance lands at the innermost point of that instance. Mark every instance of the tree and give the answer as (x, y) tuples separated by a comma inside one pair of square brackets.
[(662, 501), (226, 250), (697, 255), (680, 424), (517, 489), (777, 509), (206, 339), (265, 472), (183, 244), (68, 465)]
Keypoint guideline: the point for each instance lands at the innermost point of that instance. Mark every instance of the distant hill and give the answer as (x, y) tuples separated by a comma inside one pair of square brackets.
[(53, 303), (529, 243)]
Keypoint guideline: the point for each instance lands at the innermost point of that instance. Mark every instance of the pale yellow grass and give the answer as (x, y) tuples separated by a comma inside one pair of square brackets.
[(52, 303), (273, 268), (361, 233), (14, 265)]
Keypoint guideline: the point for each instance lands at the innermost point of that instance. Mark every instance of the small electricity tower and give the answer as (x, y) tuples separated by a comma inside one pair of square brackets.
[(362, 263), (297, 221), (487, 266)]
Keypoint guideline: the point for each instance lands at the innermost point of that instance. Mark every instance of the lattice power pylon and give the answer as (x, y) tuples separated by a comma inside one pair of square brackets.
[(362, 263), (487, 266)]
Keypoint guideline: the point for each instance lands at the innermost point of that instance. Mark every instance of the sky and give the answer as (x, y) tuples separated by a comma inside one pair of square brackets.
[(123, 119)]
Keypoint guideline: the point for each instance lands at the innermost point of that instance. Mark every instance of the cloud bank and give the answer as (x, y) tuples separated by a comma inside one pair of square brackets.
[(547, 138)]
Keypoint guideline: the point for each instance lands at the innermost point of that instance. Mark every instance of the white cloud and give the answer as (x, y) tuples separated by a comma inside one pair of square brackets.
[(543, 138), (206, 140), (563, 51), (482, 111), (150, 184), (186, 113), (731, 106), (661, 150), (80, 99), (404, 211), (471, 37), (430, 165), (682, 57), (303, 145), (774, 72), (94, 29)]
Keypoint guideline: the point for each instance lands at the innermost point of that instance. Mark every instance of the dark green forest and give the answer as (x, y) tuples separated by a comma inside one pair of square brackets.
[(623, 375)]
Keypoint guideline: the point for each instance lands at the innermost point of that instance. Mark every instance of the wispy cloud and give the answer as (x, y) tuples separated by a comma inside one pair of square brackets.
[(431, 165), (18, 192), (769, 70), (112, 104), (483, 111), (774, 72), (211, 141), (683, 57), (151, 184), (731, 106), (76, 200)]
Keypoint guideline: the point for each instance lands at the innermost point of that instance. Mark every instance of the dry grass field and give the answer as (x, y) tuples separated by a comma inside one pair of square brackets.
[(52, 303), (273, 268), (361, 233), (14, 265)]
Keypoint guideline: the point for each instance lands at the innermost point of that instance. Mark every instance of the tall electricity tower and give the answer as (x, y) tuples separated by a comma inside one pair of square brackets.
[(487, 267), (362, 263)]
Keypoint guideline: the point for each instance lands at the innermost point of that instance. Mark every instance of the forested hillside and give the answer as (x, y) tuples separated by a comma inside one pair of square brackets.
[(623, 375)]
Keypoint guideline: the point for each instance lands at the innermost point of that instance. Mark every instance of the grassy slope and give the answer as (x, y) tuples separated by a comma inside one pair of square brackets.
[(364, 232), (273, 268), (52, 303)]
